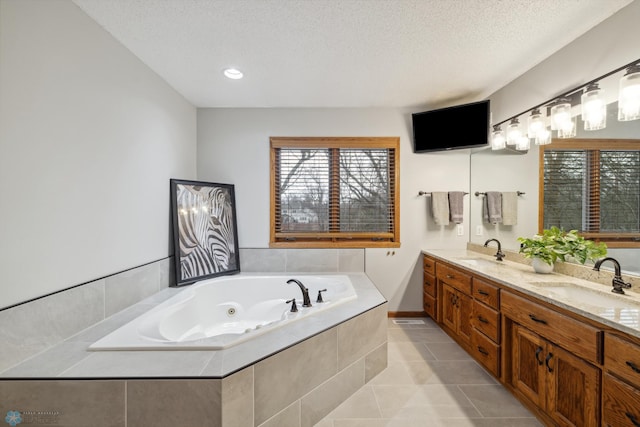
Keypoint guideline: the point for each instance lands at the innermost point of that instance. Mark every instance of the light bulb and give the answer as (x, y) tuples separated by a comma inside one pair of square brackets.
[(629, 95), (594, 108), (513, 132), (560, 113), (498, 140)]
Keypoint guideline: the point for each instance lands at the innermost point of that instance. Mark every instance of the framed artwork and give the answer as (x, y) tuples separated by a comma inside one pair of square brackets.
[(205, 233)]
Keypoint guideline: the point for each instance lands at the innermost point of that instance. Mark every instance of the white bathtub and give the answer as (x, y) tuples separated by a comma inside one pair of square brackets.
[(221, 312)]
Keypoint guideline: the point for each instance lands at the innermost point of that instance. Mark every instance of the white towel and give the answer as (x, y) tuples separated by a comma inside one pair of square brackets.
[(440, 207), (492, 207), (510, 208), (456, 206)]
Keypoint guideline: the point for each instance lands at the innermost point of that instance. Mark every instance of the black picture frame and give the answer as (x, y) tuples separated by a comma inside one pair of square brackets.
[(205, 231)]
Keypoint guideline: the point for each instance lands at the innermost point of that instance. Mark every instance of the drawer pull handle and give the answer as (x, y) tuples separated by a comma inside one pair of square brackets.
[(427, 283), (633, 366), (483, 351), (538, 351), (535, 319), (481, 292), (546, 361), (450, 276), (482, 319), (633, 419)]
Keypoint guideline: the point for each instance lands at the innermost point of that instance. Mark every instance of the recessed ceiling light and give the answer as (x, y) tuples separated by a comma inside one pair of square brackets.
[(233, 73)]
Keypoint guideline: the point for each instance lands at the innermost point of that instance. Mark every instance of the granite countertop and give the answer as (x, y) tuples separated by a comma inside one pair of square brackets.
[(71, 359), (586, 298)]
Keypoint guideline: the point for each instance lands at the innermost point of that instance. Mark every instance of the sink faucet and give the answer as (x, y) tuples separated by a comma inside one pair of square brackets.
[(306, 301), (617, 282), (499, 255)]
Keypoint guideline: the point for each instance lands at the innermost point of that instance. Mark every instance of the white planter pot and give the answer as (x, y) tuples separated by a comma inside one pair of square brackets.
[(540, 266)]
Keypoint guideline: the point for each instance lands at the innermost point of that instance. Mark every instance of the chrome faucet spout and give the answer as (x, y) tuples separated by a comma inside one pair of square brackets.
[(499, 255), (306, 301), (618, 283)]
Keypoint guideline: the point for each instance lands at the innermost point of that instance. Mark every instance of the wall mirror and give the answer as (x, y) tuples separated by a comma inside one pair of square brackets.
[(513, 170)]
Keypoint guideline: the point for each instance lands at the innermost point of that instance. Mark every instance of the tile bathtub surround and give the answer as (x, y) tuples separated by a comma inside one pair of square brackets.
[(301, 260), (295, 387), (35, 326)]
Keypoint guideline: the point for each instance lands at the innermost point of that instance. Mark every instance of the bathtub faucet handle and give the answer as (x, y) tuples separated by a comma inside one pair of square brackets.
[(294, 307), (319, 299)]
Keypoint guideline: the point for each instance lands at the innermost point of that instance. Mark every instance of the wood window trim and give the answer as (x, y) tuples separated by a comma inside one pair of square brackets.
[(334, 238), (613, 240)]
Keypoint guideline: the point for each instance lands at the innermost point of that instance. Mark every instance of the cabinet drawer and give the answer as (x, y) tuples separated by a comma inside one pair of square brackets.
[(578, 338), (486, 352), (486, 292), (622, 358), (454, 277), (429, 305), (486, 320), (620, 403), (429, 285), (429, 265)]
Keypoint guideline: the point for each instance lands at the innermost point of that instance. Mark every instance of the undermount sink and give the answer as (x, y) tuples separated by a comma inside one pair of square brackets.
[(478, 262), (582, 295)]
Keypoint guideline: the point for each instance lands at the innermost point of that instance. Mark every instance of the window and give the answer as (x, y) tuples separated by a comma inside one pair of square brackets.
[(334, 192), (593, 186)]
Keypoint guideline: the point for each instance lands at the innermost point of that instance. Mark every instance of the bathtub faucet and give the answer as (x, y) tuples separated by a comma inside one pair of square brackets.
[(306, 301)]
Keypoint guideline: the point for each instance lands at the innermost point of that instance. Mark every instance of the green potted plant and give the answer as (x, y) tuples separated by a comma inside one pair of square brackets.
[(556, 244)]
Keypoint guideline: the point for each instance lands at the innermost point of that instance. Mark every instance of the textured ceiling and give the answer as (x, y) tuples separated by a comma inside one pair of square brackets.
[(344, 53)]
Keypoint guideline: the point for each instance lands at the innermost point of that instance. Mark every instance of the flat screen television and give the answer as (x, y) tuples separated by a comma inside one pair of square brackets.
[(452, 128)]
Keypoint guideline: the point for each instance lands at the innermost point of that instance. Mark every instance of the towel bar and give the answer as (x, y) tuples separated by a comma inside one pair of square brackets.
[(428, 193), (478, 193)]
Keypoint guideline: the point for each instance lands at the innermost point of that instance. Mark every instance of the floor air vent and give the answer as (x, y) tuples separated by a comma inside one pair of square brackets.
[(408, 322)]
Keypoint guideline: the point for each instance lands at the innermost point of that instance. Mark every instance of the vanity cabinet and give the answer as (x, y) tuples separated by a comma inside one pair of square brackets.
[(485, 319), (455, 302), (552, 361), (563, 366), (621, 383), (429, 287)]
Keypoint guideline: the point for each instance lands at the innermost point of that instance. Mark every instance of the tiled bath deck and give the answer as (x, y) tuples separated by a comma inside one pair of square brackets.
[(429, 381)]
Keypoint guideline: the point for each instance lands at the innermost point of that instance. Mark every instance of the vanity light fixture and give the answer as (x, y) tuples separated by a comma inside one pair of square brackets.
[(538, 128), (594, 108), (233, 73), (629, 94), (523, 143), (498, 141), (567, 129), (543, 137), (560, 113), (513, 132)]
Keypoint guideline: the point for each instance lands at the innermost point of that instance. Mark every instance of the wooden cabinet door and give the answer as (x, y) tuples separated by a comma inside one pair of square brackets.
[(528, 369), (620, 403), (448, 303), (464, 305), (573, 389)]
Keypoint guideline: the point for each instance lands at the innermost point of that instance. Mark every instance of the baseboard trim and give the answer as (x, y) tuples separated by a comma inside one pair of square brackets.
[(407, 314)]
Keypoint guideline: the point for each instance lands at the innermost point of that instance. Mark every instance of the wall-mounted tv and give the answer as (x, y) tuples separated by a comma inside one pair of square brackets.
[(451, 128)]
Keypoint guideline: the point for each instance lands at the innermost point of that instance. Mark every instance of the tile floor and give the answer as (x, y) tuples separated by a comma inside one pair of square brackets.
[(430, 381)]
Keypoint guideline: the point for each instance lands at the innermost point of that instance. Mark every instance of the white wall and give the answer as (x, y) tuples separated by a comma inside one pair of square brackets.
[(89, 138), (233, 147)]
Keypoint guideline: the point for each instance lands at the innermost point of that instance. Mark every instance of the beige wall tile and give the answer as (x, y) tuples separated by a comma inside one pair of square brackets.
[(237, 399), (289, 417), (362, 334), (65, 403), (375, 362), (30, 328), (171, 403), (324, 399), (285, 376)]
